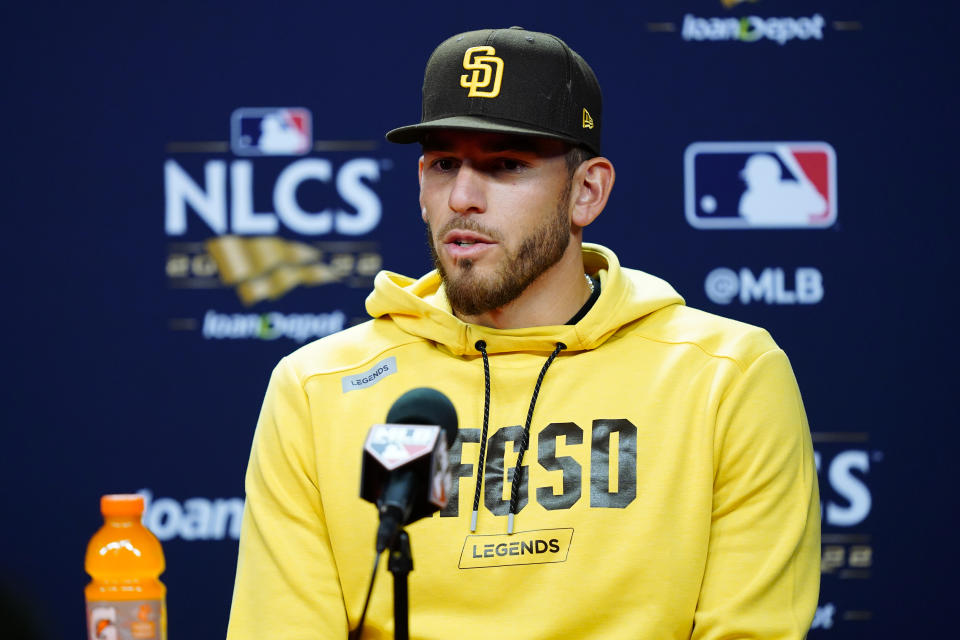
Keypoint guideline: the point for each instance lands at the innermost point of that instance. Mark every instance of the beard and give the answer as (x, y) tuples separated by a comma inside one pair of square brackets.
[(471, 293)]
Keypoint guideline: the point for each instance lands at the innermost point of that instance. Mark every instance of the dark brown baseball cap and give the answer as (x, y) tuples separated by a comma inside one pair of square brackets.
[(509, 81)]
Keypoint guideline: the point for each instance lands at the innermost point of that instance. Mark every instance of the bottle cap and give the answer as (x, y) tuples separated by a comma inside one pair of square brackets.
[(122, 504)]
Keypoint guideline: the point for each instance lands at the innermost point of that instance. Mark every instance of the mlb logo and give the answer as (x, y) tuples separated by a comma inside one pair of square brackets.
[(760, 185), (397, 444), (272, 131)]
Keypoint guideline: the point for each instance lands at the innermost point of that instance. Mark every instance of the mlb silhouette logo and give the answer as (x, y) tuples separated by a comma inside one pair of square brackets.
[(272, 131), (760, 185)]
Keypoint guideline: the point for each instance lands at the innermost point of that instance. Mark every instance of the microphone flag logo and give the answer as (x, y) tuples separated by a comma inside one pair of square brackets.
[(394, 445)]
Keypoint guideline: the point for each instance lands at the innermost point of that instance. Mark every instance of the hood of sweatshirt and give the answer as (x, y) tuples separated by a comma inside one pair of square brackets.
[(420, 308)]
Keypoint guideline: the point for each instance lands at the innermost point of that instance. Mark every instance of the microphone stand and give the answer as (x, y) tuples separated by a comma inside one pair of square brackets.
[(400, 565)]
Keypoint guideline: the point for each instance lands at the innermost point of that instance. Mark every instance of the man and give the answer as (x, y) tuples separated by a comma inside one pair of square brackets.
[(667, 485)]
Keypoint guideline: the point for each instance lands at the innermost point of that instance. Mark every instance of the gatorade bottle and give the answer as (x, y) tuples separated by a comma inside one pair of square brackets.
[(125, 598)]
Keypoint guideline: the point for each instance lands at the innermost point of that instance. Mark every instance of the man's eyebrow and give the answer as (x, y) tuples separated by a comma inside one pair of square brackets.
[(521, 144), (435, 145), (513, 144)]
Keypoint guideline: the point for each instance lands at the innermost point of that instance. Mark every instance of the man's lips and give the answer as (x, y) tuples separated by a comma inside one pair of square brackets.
[(462, 236), (460, 243)]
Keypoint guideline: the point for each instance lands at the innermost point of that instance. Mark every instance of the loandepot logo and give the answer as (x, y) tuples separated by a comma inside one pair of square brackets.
[(299, 327), (770, 286), (752, 29), (192, 519)]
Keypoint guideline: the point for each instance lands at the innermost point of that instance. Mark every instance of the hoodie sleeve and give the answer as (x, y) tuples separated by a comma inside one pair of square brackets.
[(762, 575), (287, 584)]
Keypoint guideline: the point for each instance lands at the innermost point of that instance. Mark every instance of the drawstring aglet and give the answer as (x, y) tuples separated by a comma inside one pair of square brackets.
[(510, 523), (473, 521)]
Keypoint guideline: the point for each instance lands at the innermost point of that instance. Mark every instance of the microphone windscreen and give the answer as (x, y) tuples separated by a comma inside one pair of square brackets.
[(424, 405)]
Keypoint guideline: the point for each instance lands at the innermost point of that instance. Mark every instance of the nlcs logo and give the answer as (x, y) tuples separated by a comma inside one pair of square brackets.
[(482, 73)]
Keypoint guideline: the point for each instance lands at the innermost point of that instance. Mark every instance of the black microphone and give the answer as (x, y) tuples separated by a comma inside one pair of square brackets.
[(406, 471)]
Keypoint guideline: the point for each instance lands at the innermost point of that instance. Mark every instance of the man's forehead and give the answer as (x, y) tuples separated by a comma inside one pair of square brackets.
[(490, 142)]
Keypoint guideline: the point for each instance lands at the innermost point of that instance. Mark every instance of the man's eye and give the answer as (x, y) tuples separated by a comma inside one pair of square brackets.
[(509, 164), (445, 164)]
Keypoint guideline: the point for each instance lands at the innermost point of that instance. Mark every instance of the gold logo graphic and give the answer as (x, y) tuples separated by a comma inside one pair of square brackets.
[(265, 268), (587, 119), (483, 74)]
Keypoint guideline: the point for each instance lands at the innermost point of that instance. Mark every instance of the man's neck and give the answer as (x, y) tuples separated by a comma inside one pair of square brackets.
[(551, 299)]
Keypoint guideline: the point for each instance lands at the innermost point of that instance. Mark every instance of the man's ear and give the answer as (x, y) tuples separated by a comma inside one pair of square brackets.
[(592, 183), (423, 209)]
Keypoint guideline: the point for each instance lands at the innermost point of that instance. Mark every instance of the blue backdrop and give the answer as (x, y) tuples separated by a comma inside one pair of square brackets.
[(163, 252)]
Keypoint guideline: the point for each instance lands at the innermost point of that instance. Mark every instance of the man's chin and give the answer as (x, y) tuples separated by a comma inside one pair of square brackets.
[(465, 278), (468, 268), (463, 264)]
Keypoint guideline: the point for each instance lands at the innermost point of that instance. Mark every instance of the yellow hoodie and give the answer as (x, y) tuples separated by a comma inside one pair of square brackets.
[(669, 488)]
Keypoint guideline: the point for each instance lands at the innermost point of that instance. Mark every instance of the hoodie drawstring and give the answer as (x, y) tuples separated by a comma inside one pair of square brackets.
[(518, 470), (481, 346)]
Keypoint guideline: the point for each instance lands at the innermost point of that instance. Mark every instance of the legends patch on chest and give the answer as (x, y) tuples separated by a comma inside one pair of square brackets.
[(524, 547), (376, 373)]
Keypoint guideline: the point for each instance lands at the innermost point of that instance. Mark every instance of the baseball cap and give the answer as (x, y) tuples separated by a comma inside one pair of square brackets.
[(509, 81)]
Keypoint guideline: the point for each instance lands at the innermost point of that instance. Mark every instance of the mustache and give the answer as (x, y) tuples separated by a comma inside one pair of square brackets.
[(468, 224)]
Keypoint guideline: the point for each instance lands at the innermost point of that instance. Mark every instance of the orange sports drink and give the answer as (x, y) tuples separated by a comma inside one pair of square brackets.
[(125, 598)]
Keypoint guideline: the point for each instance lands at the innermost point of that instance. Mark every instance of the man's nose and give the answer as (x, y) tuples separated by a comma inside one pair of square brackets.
[(467, 194)]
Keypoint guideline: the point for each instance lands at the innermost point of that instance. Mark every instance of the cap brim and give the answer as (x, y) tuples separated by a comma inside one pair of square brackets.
[(415, 132)]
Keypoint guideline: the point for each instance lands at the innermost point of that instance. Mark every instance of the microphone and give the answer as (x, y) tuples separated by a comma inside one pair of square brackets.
[(406, 470)]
